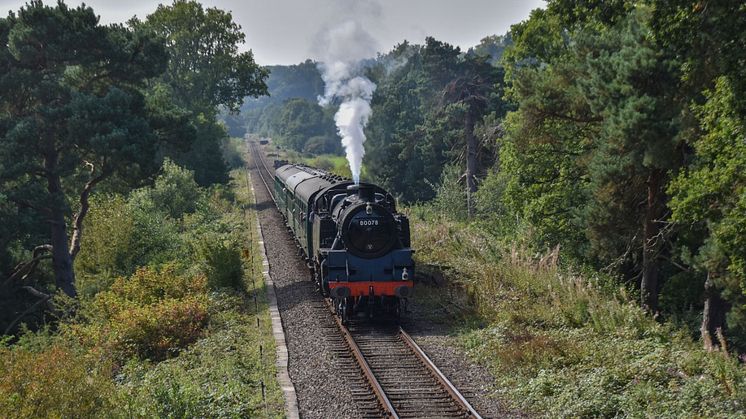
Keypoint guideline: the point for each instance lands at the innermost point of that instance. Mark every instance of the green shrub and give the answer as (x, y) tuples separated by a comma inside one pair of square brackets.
[(149, 285), (175, 190), (222, 259), (218, 376), (56, 382), (233, 149), (153, 314), (160, 330), (121, 236), (451, 193)]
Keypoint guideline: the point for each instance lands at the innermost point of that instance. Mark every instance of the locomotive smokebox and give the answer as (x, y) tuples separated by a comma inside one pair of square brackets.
[(364, 192)]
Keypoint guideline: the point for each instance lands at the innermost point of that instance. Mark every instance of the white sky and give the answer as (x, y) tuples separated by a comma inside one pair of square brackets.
[(282, 31)]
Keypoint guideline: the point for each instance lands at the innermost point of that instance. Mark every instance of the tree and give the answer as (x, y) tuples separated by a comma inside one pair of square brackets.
[(299, 120), (543, 174), (710, 39), (470, 92), (205, 72), (410, 139), (71, 115), (629, 86), (711, 195)]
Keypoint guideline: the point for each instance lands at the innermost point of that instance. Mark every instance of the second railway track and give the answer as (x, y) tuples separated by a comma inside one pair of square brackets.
[(398, 378)]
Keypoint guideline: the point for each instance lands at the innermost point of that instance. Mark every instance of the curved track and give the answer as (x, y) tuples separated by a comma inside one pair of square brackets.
[(398, 379)]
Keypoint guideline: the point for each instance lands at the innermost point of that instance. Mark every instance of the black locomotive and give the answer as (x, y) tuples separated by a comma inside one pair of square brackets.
[(356, 243)]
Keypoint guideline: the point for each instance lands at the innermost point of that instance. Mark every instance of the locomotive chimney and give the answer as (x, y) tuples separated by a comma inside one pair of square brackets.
[(364, 192)]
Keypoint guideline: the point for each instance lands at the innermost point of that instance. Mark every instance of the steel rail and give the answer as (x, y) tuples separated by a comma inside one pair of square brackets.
[(438, 374), (383, 399), (257, 154)]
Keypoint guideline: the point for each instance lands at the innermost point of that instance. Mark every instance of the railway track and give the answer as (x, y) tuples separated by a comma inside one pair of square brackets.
[(390, 375), (261, 166)]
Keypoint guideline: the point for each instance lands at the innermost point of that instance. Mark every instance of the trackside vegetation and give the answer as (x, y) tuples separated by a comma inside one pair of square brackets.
[(171, 323), (129, 276), (568, 343)]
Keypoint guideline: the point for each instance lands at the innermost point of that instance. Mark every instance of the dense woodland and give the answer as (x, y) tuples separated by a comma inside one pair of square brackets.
[(584, 173)]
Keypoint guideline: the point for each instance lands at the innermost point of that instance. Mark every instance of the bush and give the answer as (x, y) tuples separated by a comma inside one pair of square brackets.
[(150, 285), (153, 314), (451, 194), (56, 382), (222, 259), (232, 152), (219, 376), (175, 192), (122, 235), (160, 330)]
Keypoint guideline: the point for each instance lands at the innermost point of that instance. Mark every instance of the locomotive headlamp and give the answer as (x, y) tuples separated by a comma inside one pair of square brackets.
[(369, 209), (404, 274)]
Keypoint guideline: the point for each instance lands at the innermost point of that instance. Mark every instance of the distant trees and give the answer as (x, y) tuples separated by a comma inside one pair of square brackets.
[(302, 125), (72, 114), (292, 116)]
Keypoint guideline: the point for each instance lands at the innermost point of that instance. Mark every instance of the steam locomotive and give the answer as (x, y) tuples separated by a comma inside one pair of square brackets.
[(355, 242)]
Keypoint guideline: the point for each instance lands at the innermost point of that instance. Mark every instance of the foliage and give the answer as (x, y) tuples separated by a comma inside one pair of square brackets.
[(56, 381), (206, 71), (450, 195), (223, 263), (298, 122), (219, 376), (71, 117), (300, 81), (204, 155), (711, 196), (332, 163), (568, 344), (153, 314), (492, 46), (145, 228), (174, 193)]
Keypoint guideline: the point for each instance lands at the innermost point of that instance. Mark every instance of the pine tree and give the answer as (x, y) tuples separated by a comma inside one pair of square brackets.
[(71, 115)]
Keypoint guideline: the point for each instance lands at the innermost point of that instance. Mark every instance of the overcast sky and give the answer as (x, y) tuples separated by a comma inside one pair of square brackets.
[(283, 31)]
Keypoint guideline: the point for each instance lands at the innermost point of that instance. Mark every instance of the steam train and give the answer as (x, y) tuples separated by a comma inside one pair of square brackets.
[(356, 244)]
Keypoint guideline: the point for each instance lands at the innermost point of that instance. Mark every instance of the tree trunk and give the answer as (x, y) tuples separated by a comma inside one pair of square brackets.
[(62, 262), (713, 315), (471, 162), (80, 216), (651, 242)]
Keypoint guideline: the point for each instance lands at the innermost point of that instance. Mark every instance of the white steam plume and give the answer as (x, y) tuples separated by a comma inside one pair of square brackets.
[(342, 48)]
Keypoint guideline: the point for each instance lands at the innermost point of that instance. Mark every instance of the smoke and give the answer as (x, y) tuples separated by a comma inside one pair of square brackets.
[(341, 49)]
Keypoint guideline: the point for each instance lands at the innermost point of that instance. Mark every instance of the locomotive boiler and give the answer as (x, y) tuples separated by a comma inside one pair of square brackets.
[(356, 244)]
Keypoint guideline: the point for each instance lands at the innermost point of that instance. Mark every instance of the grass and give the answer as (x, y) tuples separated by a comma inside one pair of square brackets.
[(561, 344)]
